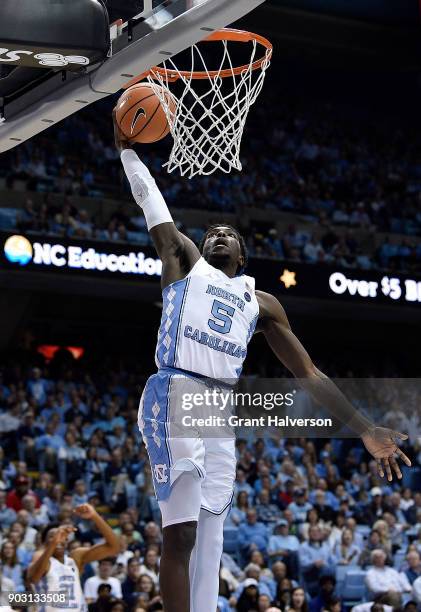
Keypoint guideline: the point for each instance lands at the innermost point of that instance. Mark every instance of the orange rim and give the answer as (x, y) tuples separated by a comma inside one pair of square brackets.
[(229, 34)]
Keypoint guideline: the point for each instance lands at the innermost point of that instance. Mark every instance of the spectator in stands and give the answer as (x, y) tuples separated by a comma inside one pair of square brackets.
[(312, 519), (29, 534), (239, 509), (298, 601), (146, 586), (6, 584), (374, 543), (38, 517), (346, 552), (300, 506), (48, 445), (71, 457), (125, 554), (377, 506), (249, 597), (413, 570), (7, 514), (15, 496), (11, 567), (104, 576), (150, 565), (382, 528), (103, 601), (384, 582), (284, 547), (416, 590), (252, 534), (315, 558), (312, 250), (26, 435), (323, 507), (326, 594), (16, 537), (266, 511), (128, 586)]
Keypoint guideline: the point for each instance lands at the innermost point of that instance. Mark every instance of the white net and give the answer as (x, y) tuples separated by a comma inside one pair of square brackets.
[(208, 119)]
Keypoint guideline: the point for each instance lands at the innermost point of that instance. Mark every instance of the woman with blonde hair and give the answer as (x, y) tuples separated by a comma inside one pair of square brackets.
[(383, 528), (345, 551)]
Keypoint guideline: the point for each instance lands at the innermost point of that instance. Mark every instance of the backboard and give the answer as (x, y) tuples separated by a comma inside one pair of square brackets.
[(32, 99)]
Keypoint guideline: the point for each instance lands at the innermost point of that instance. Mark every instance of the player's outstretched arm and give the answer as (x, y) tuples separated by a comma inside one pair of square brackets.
[(109, 548), (177, 252), (41, 560), (379, 441)]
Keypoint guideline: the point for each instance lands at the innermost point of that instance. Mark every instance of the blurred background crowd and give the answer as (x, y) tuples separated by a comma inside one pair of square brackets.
[(333, 185), (312, 527), (331, 176)]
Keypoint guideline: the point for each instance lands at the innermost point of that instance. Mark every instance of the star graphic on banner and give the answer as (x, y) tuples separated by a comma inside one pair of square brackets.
[(288, 278)]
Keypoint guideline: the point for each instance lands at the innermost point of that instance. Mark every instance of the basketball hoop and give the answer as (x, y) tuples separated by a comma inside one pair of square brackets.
[(211, 105)]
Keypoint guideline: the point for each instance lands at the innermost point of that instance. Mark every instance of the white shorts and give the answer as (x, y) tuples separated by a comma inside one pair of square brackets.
[(207, 453)]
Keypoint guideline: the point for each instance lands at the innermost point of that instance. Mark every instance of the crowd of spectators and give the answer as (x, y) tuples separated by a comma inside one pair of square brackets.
[(332, 167), (296, 244), (308, 517)]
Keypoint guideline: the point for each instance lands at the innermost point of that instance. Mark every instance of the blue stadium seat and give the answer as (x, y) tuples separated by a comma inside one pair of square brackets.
[(411, 477), (340, 573), (8, 218), (138, 237), (231, 540), (364, 530), (398, 559), (353, 589)]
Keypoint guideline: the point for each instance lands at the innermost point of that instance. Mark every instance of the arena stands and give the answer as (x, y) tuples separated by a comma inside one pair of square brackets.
[(351, 193), (312, 526)]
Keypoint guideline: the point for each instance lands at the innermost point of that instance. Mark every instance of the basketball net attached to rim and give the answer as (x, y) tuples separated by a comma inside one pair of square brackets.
[(211, 105)]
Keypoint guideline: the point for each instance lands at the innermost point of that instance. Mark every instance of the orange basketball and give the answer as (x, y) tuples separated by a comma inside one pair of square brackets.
[(140, 115)]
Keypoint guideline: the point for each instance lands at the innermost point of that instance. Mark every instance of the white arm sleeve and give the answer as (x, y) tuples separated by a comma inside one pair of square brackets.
[(145, 190)]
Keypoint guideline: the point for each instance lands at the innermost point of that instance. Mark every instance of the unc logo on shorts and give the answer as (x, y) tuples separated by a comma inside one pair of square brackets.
[(160, 471)]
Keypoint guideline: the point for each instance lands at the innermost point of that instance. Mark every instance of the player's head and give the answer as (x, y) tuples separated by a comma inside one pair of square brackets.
[(48, 533), (222, 245)]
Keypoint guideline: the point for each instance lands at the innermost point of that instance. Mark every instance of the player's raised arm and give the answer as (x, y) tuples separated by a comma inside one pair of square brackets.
[(177, 252), (379, 441), (109, 548)]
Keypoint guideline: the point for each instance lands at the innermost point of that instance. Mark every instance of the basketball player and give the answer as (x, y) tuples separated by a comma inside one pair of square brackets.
[(53, 570), (210, 312)]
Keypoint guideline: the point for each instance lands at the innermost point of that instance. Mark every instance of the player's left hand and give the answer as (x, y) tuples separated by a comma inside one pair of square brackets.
[(85, 511), (381, 443)]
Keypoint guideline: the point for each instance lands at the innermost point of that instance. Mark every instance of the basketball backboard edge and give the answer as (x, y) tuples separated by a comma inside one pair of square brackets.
[(137, 45)]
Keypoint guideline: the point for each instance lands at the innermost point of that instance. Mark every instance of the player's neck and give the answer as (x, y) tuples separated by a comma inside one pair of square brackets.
[(229, 268)]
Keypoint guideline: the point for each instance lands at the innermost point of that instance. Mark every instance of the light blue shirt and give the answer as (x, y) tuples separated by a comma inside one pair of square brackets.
[(49, 441), (309, 553), (300, 512), (253, 534), (279, 542)]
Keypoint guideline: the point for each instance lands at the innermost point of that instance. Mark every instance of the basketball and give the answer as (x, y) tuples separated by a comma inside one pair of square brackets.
[(140, 114)]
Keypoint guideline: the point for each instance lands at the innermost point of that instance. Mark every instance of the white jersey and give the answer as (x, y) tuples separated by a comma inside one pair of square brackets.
[(207, 322), (63, 577)]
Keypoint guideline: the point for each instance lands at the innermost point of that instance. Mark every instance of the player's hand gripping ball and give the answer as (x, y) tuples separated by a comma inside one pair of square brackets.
[(140, 115)]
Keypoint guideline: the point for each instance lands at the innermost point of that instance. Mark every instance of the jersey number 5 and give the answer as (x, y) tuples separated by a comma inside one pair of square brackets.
[(223, 314)]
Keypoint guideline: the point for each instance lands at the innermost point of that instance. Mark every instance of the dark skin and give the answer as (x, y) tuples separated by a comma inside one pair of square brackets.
[(222, 250)]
